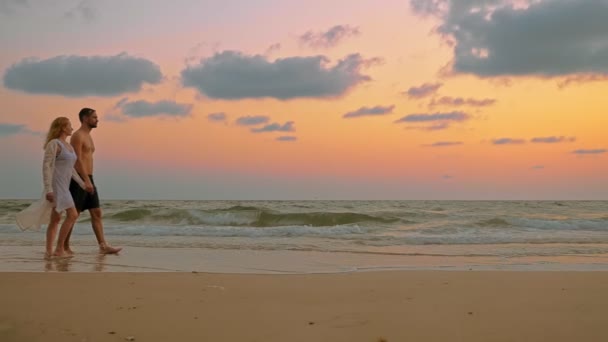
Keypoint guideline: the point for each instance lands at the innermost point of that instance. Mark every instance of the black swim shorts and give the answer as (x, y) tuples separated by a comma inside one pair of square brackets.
[(84, 200)]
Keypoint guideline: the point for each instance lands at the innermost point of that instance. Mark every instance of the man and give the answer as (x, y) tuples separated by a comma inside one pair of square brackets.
[(88, 198)]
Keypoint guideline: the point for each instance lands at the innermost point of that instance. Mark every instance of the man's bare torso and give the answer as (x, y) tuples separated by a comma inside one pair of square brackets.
[(87, 147)]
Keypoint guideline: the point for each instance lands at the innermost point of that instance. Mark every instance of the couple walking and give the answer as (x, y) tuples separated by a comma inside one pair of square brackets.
[(67, 174)]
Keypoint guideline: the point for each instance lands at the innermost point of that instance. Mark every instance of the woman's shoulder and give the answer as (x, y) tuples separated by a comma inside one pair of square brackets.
[(53, 143)]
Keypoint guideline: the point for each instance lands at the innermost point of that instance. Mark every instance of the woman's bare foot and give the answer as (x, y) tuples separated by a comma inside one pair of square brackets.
[(105, 249), (61, 254), (69, 251), (48, 255)]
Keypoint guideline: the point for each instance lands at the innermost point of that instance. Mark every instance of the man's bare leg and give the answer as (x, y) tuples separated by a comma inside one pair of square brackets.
[(66, 245), (97, 224)]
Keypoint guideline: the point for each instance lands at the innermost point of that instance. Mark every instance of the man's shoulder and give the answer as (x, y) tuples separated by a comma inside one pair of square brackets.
[(79, 133), (77, 137)]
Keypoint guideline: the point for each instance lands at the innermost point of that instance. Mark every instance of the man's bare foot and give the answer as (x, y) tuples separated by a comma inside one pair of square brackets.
[(48, 255), (105, 249), (69, 251)]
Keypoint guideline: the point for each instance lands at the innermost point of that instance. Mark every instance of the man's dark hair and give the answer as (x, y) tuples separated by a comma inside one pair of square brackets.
[(85, 112)]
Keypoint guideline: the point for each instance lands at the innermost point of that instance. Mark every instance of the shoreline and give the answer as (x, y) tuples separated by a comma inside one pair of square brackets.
[(245, 261), (365, 306)]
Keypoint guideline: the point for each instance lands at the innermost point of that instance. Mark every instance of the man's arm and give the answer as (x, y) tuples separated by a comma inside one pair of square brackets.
[(77, 144)]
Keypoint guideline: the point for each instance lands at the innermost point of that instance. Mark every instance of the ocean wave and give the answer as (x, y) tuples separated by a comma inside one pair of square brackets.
[(494, 222), (246, 232), (362, 234), (561, 224), (246, 216), (523, 223), (488, 239)]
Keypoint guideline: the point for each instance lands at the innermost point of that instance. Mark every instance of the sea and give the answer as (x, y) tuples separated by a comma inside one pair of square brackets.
[(286, 237)]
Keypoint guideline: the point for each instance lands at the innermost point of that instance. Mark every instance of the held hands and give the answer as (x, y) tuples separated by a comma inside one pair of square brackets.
[(88, 187), (50, 197)]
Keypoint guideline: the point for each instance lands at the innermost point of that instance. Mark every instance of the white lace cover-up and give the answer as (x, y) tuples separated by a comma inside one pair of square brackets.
[(57, 169)]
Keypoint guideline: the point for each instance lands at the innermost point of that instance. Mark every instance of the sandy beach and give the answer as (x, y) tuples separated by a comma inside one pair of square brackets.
[(361, 306)]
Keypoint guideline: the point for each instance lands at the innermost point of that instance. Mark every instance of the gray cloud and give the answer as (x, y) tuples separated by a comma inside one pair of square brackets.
[(537, 167), (445, 143), (11, 6), (508, 141), (217, 116), (12, 129), (76, 76), (275, 127), (459, 101), (329, 38), (287, 138), (369, 111), (422, 91), (252, 120), (138, 109), (83, 10), (593, 151), (429, 7), (552, 140), (529, 37), (233, 75)]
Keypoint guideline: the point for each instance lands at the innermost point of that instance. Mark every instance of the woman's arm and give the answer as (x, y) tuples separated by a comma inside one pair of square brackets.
[(48, 165), (76, 177)]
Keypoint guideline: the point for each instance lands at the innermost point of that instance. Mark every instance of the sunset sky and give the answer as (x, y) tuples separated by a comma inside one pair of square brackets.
[(331, 99)]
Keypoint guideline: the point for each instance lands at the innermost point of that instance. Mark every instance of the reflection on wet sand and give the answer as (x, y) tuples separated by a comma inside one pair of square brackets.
[(67, 264), (100, 264), (57, 264)]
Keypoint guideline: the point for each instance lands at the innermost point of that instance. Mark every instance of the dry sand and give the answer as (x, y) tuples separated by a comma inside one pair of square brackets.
[(370, 306)]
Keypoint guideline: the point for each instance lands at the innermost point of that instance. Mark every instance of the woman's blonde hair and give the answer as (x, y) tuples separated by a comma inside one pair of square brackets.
[(56, 127)]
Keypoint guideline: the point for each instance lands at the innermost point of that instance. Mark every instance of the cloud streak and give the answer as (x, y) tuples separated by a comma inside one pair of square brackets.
[(232, 75), (329, 38), (217, 117), (435, 121), (287, 138), (508, 141), (275, 127), (552, 140), (252, 120), (369, 111), (589, 151), (78, 76), (451, 116), (422, 91), (460, 101), (445, 144)]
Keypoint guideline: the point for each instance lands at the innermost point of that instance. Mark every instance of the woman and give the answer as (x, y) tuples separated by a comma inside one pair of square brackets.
[(57, 170)]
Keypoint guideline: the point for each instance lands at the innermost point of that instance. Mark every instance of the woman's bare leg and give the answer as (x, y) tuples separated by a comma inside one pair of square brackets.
[(51, 232), (67, 224)]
